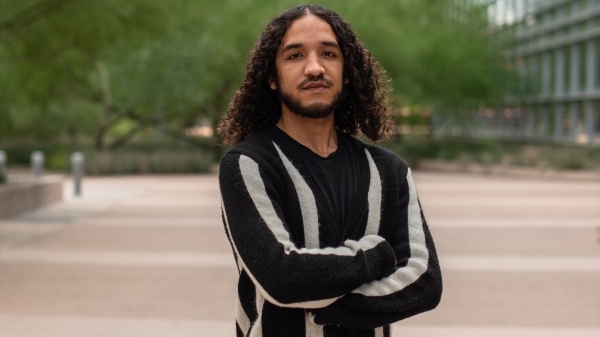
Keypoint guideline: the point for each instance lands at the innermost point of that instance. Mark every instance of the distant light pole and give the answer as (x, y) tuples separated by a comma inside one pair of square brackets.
[(37, 163), (77, 165)]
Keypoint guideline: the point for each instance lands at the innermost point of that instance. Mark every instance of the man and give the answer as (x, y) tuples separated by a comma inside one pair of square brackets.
[(327, 231)]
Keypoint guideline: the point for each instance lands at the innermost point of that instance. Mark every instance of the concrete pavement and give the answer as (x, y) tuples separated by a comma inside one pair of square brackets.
[(147, 256)]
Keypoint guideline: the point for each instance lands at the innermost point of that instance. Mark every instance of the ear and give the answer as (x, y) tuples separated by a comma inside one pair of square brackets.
[(272, 84), (346, 81)]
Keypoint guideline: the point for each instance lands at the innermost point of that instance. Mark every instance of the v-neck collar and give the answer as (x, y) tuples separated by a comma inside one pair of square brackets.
[(330, 156), (359, 199)]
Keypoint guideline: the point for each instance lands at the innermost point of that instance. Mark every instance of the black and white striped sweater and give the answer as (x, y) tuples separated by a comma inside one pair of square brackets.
[(298, 275)]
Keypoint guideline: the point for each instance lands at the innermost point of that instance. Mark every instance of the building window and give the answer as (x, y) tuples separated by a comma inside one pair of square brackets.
[(597, 57), (547, 124), (597, 122), (534, 74), (551, 80), (566, 69), (582, 67), (579, 132)]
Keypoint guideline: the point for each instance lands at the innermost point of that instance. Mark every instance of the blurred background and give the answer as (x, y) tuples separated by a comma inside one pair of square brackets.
[(138, 86), (497, 106)]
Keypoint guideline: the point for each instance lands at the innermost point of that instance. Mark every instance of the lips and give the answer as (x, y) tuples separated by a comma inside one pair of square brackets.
[(315, 83), (315, 86)]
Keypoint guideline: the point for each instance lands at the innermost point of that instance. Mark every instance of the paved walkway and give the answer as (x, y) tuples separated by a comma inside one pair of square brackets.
[(147, 256)]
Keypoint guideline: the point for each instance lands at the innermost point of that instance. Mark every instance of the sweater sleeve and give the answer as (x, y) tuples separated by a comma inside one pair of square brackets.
[(286, 275), (413, 287)]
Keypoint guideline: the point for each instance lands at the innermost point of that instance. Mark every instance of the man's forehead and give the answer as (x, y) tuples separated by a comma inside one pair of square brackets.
[(308, 29)]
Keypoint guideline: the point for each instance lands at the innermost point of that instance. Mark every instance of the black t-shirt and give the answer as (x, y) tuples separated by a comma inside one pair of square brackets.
[(336, 175)]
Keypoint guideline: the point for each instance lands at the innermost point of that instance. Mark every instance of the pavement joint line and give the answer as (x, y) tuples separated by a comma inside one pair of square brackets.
[(404, 330), (514, 223), (521, 263), (70, 326), (117, 258), (512, 202), (97, 193), (141, 222), (170, 203), (448, 263), (432, 222)]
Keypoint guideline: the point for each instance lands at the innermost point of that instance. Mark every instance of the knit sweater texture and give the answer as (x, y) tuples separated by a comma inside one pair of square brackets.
[(298, 274)]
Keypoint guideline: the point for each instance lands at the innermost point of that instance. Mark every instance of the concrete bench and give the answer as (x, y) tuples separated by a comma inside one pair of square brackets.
[(27, 194)]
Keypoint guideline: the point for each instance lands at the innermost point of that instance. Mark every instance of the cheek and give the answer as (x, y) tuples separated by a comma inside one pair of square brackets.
[(288, 78), (338, 71)]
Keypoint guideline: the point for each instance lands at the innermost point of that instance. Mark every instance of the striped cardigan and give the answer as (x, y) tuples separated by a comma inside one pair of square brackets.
[(298, 275)]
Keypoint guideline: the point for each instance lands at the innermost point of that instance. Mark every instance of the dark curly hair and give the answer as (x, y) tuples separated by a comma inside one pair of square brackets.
[(256, 106)]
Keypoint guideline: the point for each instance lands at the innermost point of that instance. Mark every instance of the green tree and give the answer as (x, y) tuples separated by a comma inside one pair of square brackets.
[(51, 52), (116, 69), (436, 52)]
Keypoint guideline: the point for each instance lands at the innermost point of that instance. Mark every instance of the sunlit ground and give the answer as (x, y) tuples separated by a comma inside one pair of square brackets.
[(147, 256)]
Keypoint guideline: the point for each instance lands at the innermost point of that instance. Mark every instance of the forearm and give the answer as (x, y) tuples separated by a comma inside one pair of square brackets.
[(340, 315), (358, 310), (286, 275), (415, 285), (313, 278)]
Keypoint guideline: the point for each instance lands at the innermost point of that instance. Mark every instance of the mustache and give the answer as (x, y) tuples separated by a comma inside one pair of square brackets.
[(320, 78)]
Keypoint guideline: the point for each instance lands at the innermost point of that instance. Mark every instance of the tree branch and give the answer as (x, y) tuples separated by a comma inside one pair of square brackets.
[(122, 140), (105, 85)]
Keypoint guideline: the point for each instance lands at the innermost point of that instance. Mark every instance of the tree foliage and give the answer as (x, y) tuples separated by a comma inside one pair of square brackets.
[(114, 70)]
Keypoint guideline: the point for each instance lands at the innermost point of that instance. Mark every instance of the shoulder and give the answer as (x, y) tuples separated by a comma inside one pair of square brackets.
[(256, 150), (385, 159), (258, 147)]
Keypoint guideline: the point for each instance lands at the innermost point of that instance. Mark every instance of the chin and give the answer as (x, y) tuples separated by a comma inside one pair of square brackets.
[(317, 101)]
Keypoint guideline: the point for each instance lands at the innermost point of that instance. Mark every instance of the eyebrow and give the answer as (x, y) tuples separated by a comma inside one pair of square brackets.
[(300, 45)]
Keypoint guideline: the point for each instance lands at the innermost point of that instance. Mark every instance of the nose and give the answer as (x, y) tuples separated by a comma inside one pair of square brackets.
[(313, 66)]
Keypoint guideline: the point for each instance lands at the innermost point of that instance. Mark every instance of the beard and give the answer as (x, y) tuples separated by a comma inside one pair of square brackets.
[(315, 110)]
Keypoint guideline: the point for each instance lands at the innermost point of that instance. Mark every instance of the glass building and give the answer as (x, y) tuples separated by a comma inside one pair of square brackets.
[(555, 47)]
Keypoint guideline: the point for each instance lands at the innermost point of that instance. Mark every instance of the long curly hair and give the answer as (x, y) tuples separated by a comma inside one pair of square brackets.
[(256, 106)]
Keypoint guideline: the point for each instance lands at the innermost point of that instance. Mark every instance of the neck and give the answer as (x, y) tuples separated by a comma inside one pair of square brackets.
[(317, 134)]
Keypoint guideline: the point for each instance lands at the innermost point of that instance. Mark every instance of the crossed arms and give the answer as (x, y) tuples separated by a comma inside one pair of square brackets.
[(366, 283)]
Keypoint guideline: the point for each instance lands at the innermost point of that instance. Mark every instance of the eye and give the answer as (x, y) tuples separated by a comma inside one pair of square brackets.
[(329, 54), (294, 56)]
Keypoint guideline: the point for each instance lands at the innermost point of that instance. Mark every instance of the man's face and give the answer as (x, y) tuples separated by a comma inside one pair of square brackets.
[(310, 68)]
